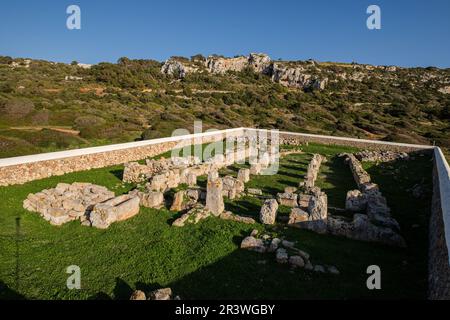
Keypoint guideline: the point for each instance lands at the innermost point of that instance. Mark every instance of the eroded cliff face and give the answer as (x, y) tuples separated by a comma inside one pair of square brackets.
[(176, 68), (285, 73), (297, 77), (222, 65)]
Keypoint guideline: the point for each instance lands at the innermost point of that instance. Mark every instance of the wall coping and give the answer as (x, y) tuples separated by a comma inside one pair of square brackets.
[(5, 162)]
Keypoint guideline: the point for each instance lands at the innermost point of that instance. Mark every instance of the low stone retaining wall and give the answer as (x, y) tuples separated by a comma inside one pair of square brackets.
[(350, 142), (19, 170)]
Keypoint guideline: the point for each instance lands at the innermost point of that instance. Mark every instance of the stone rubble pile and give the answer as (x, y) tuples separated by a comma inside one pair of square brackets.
[(67, 202), (285, 252), (381, 156)]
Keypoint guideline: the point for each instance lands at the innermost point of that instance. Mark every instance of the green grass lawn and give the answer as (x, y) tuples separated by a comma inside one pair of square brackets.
[(204, 260)]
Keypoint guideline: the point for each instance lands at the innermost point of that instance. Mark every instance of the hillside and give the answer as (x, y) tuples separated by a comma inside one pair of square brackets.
[(46, 106)]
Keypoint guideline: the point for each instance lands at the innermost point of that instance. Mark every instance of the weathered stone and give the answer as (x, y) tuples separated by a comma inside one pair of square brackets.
[(193, 194), (251, 243), (255, 168), (296, 261), (268, 211), (232, 187), (287, 199), (227, 215), (298, 215), (180, 222), (313, 170), (309, 266), (274, 245), (214, 197), (281, 256), (290, 189), (116, 209), (66, 202), (381, 156), (318, 205), (253, 191), (191, 179), (355, 201), (303, 200), (152, 199), (244, 175), (158, 183), (178, 201), (333, 270), (138, 295), (319, 268), (161, 294)]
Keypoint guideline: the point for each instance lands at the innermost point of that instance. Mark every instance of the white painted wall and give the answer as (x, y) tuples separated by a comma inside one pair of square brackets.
[(443, 171)]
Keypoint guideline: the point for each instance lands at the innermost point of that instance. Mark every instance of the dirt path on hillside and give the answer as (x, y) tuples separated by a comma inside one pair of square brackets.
[(68, 130)]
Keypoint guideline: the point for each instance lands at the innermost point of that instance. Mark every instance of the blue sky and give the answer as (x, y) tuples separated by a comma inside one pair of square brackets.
[(414, 33)]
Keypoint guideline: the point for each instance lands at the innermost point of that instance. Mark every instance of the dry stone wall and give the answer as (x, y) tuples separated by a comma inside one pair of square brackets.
[(24, 170)]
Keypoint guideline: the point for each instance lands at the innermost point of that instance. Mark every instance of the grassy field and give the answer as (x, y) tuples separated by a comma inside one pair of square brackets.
[(204, 260)]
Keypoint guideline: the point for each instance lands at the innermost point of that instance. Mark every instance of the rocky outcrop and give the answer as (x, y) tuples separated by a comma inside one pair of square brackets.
[(177, 68), (287, 74), (260, 63), (216, 64), (296, 76)]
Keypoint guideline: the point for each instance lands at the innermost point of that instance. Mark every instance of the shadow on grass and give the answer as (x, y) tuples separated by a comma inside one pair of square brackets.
[(6, 293), (117, 173), (244, 207)]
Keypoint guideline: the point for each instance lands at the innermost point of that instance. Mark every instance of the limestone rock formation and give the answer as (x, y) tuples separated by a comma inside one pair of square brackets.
[(221, 65), (176, 68)]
